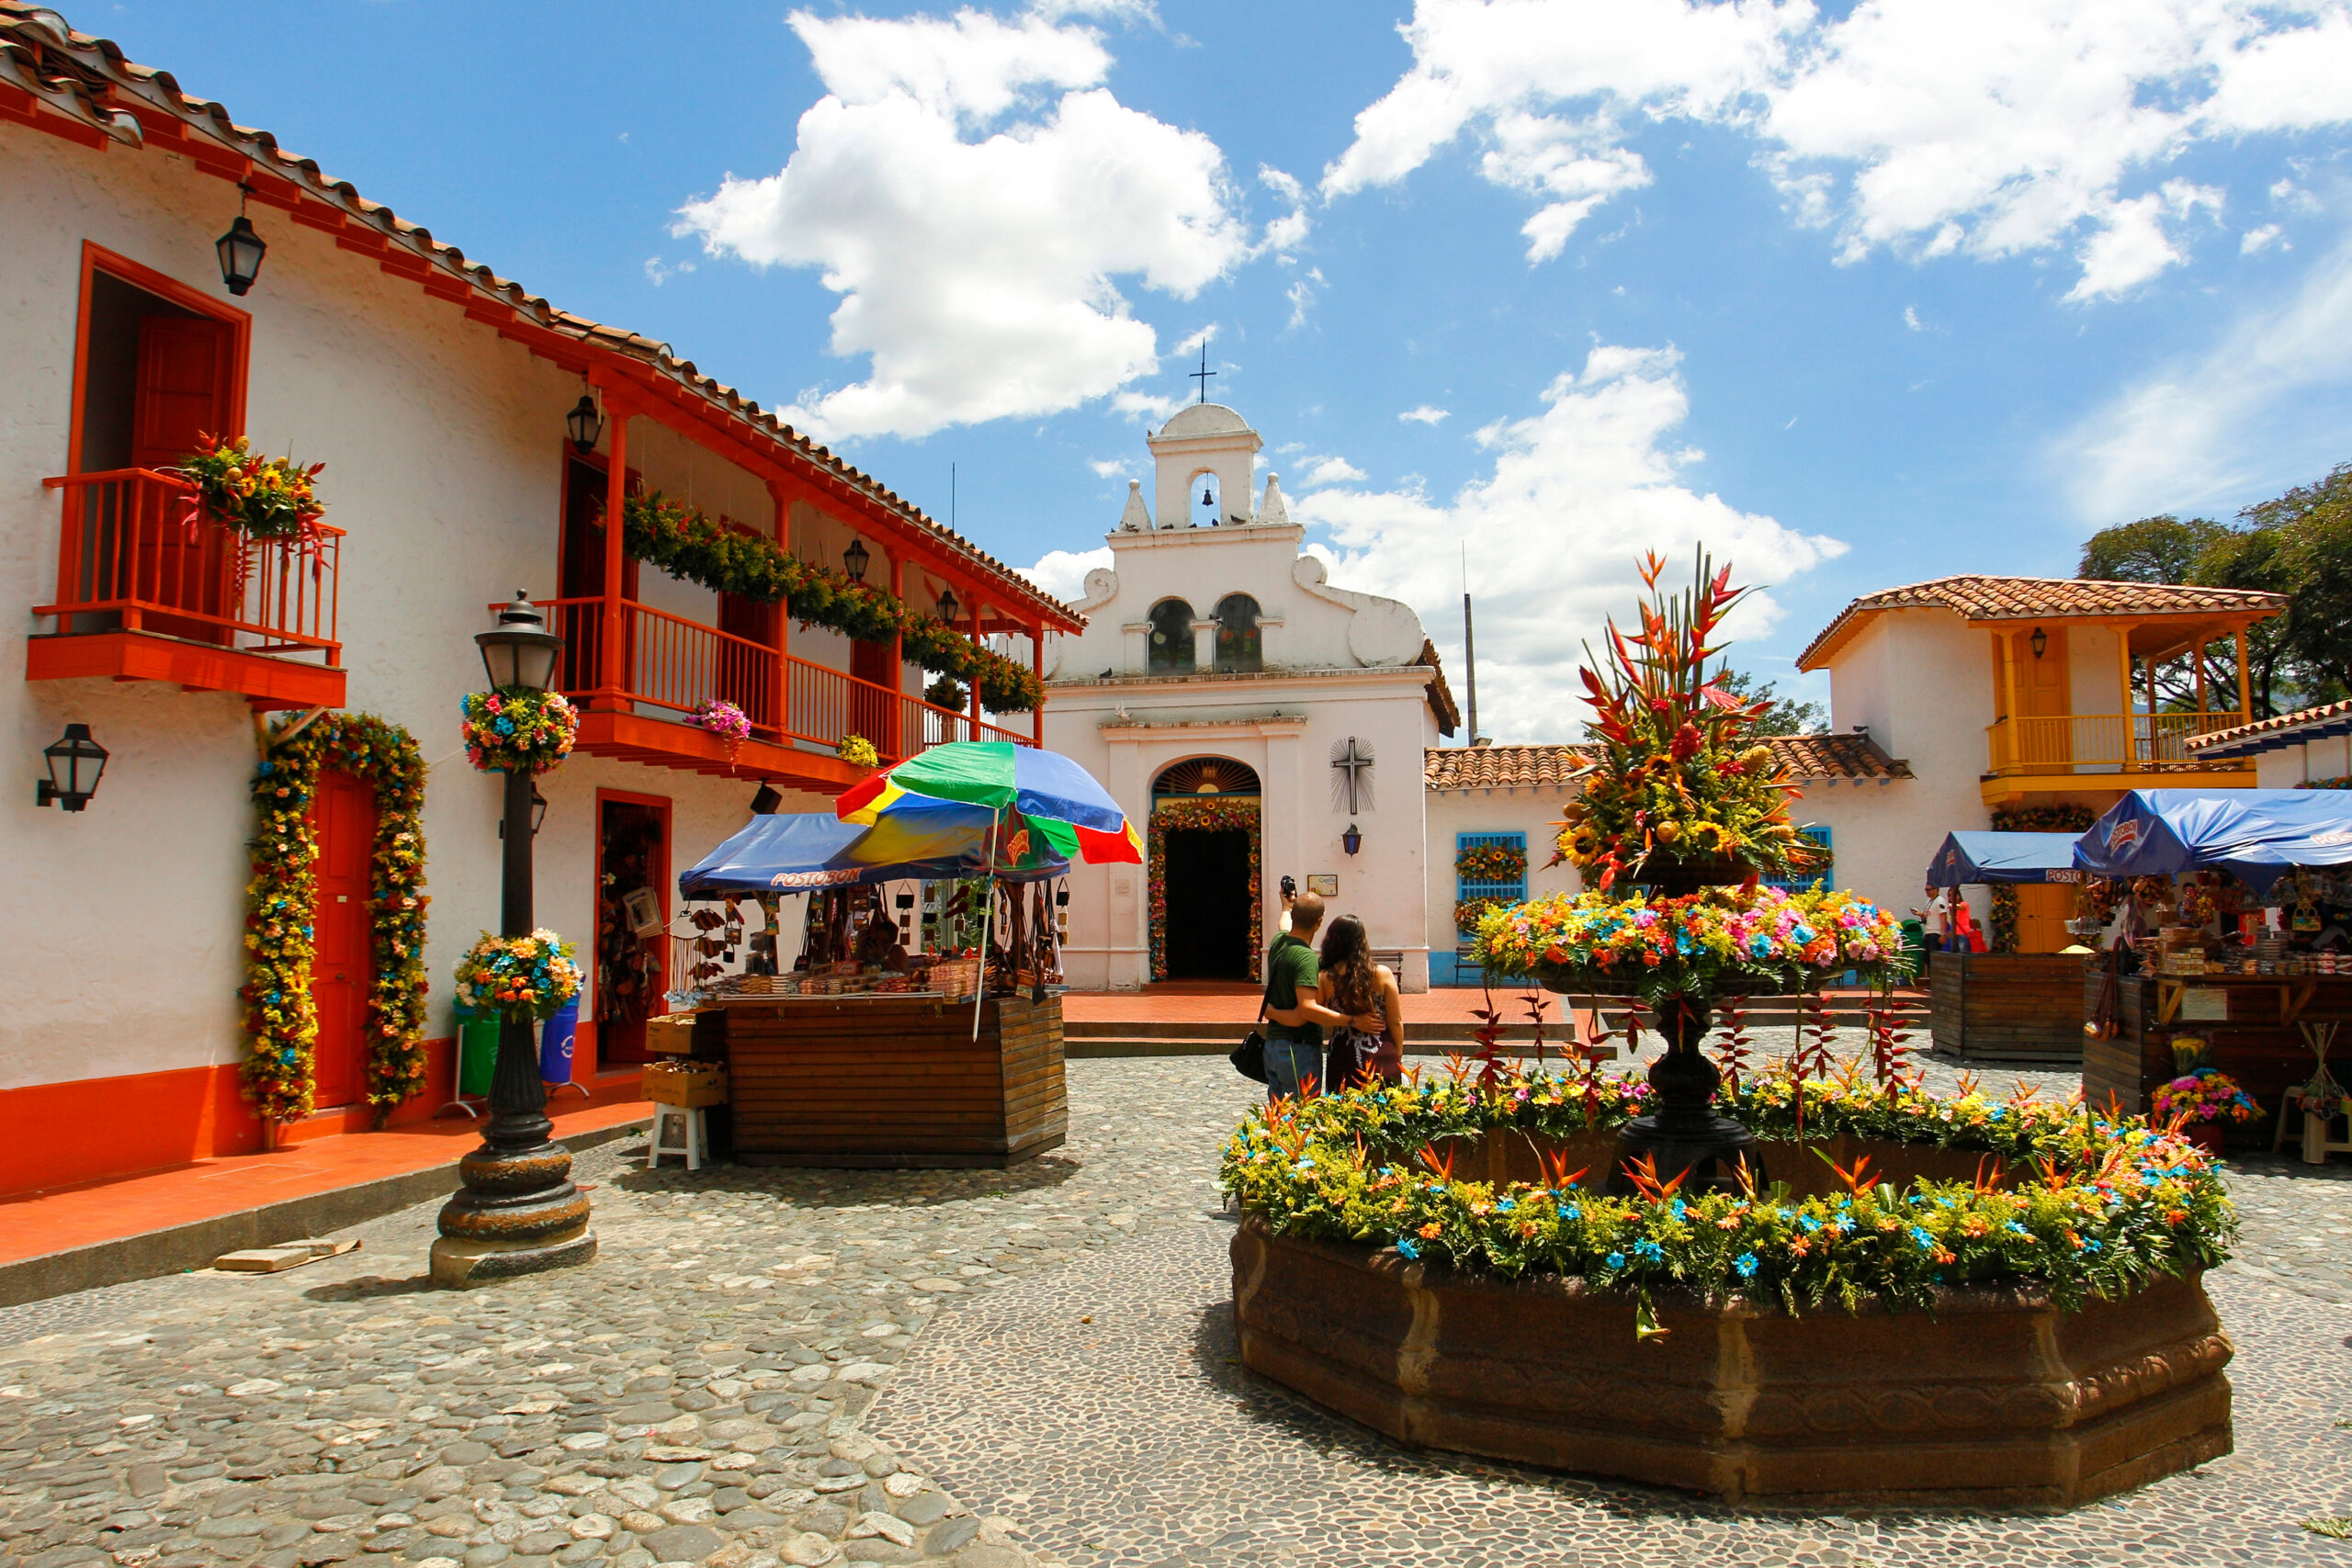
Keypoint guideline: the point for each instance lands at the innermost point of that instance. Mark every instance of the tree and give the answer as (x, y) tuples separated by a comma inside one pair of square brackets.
[(2248, 557), (1787, 716), (2154, 549), (2313, 526)]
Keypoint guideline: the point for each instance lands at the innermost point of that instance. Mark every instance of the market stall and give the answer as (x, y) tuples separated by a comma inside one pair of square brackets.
[(865, 1054), (2008, 1007), (2239, 962)]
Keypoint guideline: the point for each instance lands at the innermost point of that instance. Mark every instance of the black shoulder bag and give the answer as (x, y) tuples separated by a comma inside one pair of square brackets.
[(1248, 1058)]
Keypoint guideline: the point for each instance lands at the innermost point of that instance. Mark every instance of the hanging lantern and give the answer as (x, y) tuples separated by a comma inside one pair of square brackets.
[(855, 559), (947, 605), (584, 424), (75, 762), (2040, 642), (240, 249), (522, 653)]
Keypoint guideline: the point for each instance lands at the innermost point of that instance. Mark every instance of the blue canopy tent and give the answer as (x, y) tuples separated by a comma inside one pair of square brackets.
[(2003, 857), (2256, 835), (798, 852)]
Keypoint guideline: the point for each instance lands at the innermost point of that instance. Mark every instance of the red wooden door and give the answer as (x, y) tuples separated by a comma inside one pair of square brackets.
[(871, 713), (579, 574), (343, 815), (182, 394), (745, 676)]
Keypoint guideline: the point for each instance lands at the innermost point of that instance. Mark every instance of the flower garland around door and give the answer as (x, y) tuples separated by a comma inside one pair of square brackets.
[(1211, 814), (281, 1023), (2003, 937)]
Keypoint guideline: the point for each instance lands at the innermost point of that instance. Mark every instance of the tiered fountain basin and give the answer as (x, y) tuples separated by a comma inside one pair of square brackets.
[(1992, 1395)]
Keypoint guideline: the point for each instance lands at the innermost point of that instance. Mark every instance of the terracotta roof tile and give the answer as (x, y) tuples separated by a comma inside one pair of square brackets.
[(74, 77), (1501, 767), (2284, 729), (2028, 598)]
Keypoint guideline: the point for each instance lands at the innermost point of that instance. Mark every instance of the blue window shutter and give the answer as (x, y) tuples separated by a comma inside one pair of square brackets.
[(1514, 892)]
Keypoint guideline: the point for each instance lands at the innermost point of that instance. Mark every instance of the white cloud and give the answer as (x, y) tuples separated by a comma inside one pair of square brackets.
[(1282, 185), (658, 272), (2256, 240), (1911, 318), (1108, 467), (978, 266), (1151, 407), (1301, 296), (1332, 471), (1577, 492), (1062, 573), (2265, 398), (1990, 130), (1425, 414)]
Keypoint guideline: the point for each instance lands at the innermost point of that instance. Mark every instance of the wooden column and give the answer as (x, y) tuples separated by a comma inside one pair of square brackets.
[(1037, 666), (2130, 726), (781, 672), (2246, 685), (2005, 643), (610, 677), (894, 725), (976, 679)]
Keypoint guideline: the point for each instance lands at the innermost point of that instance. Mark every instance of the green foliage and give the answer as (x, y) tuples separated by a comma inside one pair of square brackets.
[(691, 544), (2154, 549), (1781, 715)]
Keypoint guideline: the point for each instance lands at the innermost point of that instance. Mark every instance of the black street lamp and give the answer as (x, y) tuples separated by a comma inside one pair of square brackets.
[(75, 764), (240, 250), (584, 424), (518, 1212), (856, 557)]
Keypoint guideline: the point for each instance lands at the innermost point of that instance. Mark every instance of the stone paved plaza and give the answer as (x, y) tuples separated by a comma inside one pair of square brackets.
[(981, 1368)]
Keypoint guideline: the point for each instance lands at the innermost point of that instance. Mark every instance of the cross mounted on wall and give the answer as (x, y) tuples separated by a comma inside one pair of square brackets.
[(1351, 770), (1204, 373)]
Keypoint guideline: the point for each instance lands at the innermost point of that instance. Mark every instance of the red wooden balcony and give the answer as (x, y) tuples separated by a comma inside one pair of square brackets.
[(673, 666), (150, 588)]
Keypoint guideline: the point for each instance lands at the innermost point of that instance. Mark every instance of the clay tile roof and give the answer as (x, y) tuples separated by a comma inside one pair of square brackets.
[(84, 88), (2031, 598), (1449, 718), (2320, 723), (1804, 756)]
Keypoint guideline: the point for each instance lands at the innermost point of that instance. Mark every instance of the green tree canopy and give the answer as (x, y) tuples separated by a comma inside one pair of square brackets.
[(2154, 549), (1787, 716)]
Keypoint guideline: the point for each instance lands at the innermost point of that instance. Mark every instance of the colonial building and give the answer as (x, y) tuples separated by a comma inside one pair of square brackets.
[(476, 440), (1264, 720)]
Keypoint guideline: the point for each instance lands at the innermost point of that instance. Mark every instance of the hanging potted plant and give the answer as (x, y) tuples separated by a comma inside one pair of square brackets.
[(256, 499), (728, 722), (518, 731)]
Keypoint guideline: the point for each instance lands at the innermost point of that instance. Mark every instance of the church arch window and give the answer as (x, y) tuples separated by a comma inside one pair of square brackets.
[(1206, 494), (1170, 652), (1240, 646), (1202, 777)]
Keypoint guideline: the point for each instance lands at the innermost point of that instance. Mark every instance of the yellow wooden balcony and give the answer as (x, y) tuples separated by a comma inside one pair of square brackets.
[(2110, 744)]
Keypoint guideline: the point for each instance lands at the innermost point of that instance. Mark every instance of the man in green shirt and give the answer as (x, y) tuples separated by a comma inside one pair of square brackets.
[(1293, 1038)]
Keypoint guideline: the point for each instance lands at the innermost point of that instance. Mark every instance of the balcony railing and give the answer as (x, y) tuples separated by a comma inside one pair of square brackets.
[(136, 554), (2111, 742), (668, 662)]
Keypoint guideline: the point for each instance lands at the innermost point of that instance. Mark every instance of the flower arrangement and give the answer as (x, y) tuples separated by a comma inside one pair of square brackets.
[(517, 731), (2204, 1095), (857, 751), (1719, 941), (2112, 1203), (1491, 862), (519, 976), (690, 544), (723, 719), (281, 1024), (262, 498), (1212, 814), (1469, 912), (1683, 779)]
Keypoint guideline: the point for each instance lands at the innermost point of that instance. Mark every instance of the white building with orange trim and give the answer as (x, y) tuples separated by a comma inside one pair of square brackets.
[(437, 394)]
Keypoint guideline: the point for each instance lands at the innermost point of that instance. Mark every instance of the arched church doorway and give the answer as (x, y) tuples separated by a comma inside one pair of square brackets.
[(1204, 850)]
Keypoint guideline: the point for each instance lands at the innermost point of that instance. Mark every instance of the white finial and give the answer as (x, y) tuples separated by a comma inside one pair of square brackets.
[(1134, 519), (1271, 508)]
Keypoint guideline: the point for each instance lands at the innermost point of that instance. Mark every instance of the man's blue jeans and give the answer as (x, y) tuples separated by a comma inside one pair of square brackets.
[(1289, 1065)]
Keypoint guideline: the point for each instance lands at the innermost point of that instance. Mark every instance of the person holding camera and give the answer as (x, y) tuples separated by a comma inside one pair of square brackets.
[(1295, 1016)]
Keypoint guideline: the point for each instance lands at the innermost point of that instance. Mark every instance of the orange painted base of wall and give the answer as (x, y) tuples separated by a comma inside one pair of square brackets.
[(60, 1133)]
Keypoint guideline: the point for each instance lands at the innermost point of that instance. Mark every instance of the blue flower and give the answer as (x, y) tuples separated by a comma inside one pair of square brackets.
[(1405, 1248), (268, 768), (1615, 1260), (1760, 945), (1505, 1204), (1649, 1250), (2093, 1244), (1571, 1212), (1681, 1208), (1927, 1242), (2013, 1225), (1745, 1264)]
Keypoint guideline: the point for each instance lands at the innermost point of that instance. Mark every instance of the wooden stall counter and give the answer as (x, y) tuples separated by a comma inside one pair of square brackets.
[(2249, 1022), (891, 1081), (2007, 1007)]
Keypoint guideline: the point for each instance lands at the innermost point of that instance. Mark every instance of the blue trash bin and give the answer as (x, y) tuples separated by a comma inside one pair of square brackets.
[(555, 1043)]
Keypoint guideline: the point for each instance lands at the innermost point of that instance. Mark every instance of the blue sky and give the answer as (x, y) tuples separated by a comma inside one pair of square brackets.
[(1856, 295)]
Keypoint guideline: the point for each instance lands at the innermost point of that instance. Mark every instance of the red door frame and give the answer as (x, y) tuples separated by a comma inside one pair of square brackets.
[(96, 258), (660, 805)]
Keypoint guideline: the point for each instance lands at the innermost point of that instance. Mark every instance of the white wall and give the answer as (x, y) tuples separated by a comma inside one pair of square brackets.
[(443, 445), (1534, 810), (2291, 766)]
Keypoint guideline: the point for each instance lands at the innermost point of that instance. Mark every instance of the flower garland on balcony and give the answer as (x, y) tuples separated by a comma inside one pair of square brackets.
[(262, 498), (2109, 1205), (690, 544), (517, 731), (281, 1024), (2003, 937), (1211, 815)]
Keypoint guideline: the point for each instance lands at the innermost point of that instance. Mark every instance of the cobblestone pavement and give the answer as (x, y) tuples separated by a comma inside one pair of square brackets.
[(1053, 1350)]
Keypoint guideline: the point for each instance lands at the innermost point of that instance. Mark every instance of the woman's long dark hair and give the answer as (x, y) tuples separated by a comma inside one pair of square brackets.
[(1346, 961)]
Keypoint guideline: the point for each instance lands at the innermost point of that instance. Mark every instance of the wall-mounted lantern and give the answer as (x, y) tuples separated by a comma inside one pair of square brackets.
[(947, 605), (2040, 640), (584, 424), (240, 249), (765, 803), (1352, 839), (75, 764), (855, 559), (539, 814)]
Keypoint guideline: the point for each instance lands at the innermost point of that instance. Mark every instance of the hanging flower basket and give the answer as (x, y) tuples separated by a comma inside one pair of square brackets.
[(518, 976), (857, 751), (727, 721), (514, 731), (261, 498)]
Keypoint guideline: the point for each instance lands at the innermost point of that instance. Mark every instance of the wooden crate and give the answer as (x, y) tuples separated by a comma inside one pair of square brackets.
[(687, 1084), (2008, 1007), (893, 1081)]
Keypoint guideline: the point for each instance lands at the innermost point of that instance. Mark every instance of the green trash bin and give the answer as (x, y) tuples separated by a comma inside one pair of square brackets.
[(477, 1051)]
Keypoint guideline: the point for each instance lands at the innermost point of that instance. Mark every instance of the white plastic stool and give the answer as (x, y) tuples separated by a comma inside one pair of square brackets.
[(694, 1132)]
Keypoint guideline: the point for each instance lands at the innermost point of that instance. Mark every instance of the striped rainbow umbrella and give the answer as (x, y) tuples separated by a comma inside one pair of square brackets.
[(1058, 799)]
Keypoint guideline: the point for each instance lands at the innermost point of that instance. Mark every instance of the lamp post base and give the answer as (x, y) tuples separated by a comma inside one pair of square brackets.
[(459, 1264)]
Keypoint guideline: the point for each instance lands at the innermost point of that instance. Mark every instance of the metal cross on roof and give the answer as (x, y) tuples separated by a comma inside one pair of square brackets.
[(1351, 761), (1204, 373)]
